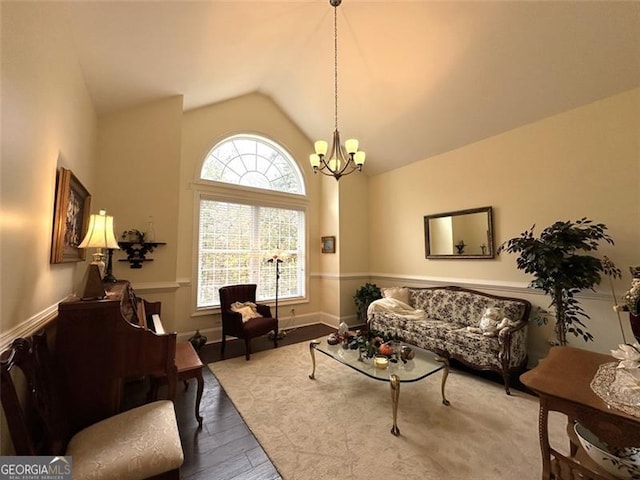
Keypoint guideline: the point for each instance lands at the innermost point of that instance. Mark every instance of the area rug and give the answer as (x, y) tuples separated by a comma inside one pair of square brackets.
[(338, 425)]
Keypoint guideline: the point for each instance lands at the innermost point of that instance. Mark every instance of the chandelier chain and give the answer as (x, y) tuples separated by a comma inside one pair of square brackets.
[(335, 64)]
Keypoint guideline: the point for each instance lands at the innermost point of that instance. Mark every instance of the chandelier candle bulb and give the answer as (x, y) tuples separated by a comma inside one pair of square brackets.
[(351, 145), (321, 147)]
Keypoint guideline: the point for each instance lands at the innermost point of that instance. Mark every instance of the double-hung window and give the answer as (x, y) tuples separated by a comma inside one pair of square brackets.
[(251, 206)]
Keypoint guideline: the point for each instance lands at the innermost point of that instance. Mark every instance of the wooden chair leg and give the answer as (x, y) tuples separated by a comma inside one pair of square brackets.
[(275, 338), (223, 344), (247, 348)]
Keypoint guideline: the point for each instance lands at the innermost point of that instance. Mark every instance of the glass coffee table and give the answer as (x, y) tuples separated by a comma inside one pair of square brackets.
[(423, 364)]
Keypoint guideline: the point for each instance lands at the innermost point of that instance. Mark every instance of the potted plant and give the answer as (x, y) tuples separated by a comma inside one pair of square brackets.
[(561, 268), (363, 298)]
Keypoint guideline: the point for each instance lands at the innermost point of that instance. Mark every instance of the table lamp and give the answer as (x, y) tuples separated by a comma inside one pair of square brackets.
[(99, 235)]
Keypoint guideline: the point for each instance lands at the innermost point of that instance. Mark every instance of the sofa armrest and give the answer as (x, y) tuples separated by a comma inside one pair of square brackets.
[(508, 331), (263, 310), (232, 322), (513, 344)]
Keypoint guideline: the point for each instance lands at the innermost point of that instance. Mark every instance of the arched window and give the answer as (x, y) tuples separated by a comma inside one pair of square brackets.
[(252, 161), (240, 228)]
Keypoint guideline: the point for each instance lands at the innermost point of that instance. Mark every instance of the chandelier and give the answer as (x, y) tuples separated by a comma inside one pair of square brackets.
[(340, 160)]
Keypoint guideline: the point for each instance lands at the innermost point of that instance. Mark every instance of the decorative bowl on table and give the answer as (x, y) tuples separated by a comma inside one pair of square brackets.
[(623, 463), (407, 353)]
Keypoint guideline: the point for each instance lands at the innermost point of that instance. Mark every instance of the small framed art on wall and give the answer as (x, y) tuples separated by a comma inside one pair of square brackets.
[(328, 244)]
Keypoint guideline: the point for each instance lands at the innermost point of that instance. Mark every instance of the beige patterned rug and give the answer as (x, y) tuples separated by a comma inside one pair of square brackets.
[(338, 426)]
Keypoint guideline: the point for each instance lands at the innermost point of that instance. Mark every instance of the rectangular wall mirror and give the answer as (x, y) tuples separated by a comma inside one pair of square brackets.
[(461, 234)]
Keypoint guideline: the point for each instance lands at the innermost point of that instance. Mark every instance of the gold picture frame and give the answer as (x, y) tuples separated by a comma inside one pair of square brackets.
[(328, 244), (70, 218)]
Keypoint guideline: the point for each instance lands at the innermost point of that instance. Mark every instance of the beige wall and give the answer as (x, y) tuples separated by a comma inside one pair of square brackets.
[(353, 241), (584, 162), (139, 171), (47, 121)]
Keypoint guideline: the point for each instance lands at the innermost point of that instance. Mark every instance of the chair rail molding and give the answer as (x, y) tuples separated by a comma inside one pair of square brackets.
[(479, 284), (155, 287), (29, 326)]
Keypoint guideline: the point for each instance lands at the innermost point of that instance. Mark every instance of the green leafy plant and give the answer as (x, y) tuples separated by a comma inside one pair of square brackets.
[(561, 269), (363, 298)]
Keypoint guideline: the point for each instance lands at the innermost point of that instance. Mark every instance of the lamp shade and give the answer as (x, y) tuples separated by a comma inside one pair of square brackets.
[(100, 232)]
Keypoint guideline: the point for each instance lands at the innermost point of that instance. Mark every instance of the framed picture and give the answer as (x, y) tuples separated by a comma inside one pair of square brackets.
[(328, 244), (70, 218)]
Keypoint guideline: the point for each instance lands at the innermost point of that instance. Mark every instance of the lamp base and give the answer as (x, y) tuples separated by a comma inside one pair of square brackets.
[(94, 289), (109, 278), (279, 336)]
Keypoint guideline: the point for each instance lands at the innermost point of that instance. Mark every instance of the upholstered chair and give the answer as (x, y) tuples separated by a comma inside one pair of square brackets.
[(242, 326), (141, 443)]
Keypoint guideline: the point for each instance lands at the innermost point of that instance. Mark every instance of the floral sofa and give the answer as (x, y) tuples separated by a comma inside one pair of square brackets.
[(437, 319)]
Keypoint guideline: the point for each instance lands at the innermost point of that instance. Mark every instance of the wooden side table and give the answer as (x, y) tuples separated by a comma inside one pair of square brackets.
[(562, 380), (188, 365)]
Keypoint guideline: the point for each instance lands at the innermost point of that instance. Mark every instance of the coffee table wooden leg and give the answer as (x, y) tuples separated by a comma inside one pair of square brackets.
[(394, 381), (312, 351), (445, 374)]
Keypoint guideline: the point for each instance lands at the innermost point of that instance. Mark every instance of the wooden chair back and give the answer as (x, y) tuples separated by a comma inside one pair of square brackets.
[(30, 400)]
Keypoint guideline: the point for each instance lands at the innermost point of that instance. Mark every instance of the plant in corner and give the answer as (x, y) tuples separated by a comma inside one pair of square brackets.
[(561, 268), (363, 298)]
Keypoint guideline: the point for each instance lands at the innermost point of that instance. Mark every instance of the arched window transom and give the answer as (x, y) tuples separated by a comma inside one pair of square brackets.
[(252, 161)]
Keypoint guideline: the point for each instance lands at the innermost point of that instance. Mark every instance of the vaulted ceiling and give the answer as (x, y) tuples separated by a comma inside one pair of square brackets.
[(416, 78)]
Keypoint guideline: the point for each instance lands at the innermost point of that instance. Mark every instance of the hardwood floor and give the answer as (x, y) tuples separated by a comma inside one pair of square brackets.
[(224, 449)]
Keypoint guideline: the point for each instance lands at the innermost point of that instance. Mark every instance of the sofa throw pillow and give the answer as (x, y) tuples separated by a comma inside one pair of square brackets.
[(397, 293), (248, 310)]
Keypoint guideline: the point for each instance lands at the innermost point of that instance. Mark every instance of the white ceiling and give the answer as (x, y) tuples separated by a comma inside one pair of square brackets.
[(416, 78)]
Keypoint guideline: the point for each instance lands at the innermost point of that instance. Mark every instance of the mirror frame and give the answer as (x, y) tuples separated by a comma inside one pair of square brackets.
[(490, 254)]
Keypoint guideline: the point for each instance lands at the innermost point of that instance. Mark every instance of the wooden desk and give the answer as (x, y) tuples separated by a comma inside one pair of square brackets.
[(562, 381)]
